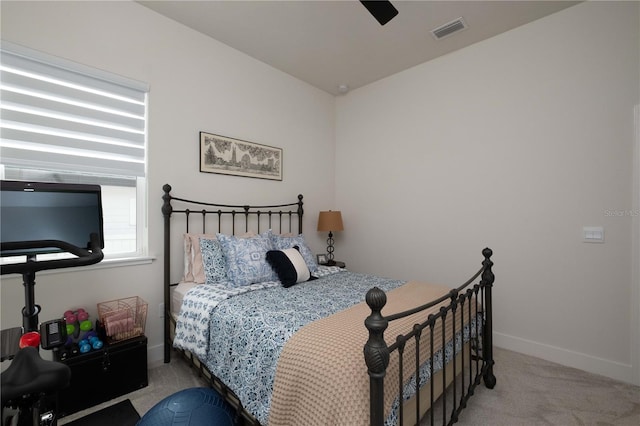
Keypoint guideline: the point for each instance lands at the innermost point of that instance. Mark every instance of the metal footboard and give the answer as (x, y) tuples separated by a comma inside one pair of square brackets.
[(465, 359)]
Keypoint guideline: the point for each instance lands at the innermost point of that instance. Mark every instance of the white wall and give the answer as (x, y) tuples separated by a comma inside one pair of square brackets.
[(197, 84), (514, 143)]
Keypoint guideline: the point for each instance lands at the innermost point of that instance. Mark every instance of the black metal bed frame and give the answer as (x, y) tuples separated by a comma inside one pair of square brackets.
[(280, 217), (376, 351), (479, 362)]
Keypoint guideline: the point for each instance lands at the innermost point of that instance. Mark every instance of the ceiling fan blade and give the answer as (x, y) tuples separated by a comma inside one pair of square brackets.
[(382, 10)]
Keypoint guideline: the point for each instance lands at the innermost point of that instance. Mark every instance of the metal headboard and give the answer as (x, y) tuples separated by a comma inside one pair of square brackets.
[(224, 218)]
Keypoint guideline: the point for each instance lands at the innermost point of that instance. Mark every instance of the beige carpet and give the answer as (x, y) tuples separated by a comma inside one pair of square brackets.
[(529, 391)]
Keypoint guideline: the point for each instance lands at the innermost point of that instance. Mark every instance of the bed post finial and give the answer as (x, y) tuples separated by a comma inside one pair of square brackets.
[(376, 353), (300, 212), (487, 253), (486, 283), (166, 206)]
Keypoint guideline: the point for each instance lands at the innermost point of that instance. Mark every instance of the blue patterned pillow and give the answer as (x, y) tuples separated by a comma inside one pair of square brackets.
[(246, 259), (281, 242), (214, 265)]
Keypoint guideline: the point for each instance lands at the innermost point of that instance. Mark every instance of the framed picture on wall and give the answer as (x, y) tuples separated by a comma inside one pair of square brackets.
[(229, 156)]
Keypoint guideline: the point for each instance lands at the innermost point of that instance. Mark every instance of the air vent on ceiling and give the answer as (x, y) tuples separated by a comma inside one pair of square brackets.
[(449, 28)]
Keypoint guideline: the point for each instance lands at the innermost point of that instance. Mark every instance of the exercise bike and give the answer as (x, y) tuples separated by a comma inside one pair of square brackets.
[(30, 384)]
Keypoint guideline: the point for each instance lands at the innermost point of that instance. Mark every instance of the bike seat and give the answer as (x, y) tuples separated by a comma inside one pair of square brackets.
[(30, 374)]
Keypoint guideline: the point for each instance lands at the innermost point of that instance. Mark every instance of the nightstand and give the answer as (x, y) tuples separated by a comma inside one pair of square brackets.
[(338, 264)]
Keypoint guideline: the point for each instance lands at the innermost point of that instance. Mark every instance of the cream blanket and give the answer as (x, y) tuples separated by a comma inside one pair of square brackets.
[(321, 377)]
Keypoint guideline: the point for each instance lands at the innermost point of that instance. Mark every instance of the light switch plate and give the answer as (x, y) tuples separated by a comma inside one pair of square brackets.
[(593, 234)]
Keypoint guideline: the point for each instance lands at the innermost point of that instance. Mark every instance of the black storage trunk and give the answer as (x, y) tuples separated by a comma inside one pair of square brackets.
[(101, 375)]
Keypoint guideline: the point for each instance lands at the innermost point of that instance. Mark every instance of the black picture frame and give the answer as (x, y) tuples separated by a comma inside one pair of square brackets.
[(230, 156)]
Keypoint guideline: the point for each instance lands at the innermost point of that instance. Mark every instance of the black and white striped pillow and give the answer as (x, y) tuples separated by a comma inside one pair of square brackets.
[(289, 265)]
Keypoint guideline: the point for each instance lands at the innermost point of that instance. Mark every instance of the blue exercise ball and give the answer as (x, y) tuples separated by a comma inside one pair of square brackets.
[(190, 407)]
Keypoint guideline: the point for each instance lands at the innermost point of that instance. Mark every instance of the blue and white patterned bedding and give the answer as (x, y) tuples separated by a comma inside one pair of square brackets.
[(240, 338)]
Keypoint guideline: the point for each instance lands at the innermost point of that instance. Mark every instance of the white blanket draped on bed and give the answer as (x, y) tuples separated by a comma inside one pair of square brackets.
[(192, 328)]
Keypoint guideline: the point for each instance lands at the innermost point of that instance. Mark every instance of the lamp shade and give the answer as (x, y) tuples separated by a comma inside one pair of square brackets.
[(330, 221)]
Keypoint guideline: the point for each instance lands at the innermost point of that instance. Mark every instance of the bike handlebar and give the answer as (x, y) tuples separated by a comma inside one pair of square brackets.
[(85, 257)]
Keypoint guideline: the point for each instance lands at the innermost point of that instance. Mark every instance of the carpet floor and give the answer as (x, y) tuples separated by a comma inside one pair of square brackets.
[(533, 392), (529, 391)]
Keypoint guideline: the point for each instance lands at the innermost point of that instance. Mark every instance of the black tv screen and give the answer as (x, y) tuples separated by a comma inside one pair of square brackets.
[(36, 211)]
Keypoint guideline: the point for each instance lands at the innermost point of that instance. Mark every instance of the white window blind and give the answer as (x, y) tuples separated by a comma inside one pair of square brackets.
[(59, 115)]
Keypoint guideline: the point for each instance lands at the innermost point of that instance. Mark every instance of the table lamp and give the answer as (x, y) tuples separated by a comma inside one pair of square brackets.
[(330, 221)]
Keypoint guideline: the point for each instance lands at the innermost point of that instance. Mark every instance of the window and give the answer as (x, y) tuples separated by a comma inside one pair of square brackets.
[(64, 122)]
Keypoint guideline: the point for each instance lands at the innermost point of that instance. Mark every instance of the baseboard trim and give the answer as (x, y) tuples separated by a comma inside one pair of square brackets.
[(604, 367)]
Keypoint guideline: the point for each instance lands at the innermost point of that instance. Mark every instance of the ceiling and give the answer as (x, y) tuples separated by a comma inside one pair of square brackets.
[(334, 43)]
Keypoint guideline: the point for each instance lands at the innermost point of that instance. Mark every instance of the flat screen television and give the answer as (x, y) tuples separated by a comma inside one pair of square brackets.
[(37, 211)]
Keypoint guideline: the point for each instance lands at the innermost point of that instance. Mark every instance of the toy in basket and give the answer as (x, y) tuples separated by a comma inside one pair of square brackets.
[(123, 318)]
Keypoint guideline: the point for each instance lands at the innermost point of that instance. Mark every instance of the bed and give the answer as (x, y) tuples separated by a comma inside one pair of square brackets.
[(288, 341)]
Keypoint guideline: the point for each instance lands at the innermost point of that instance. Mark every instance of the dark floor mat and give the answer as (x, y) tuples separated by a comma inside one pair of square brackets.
[(121, 414)]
